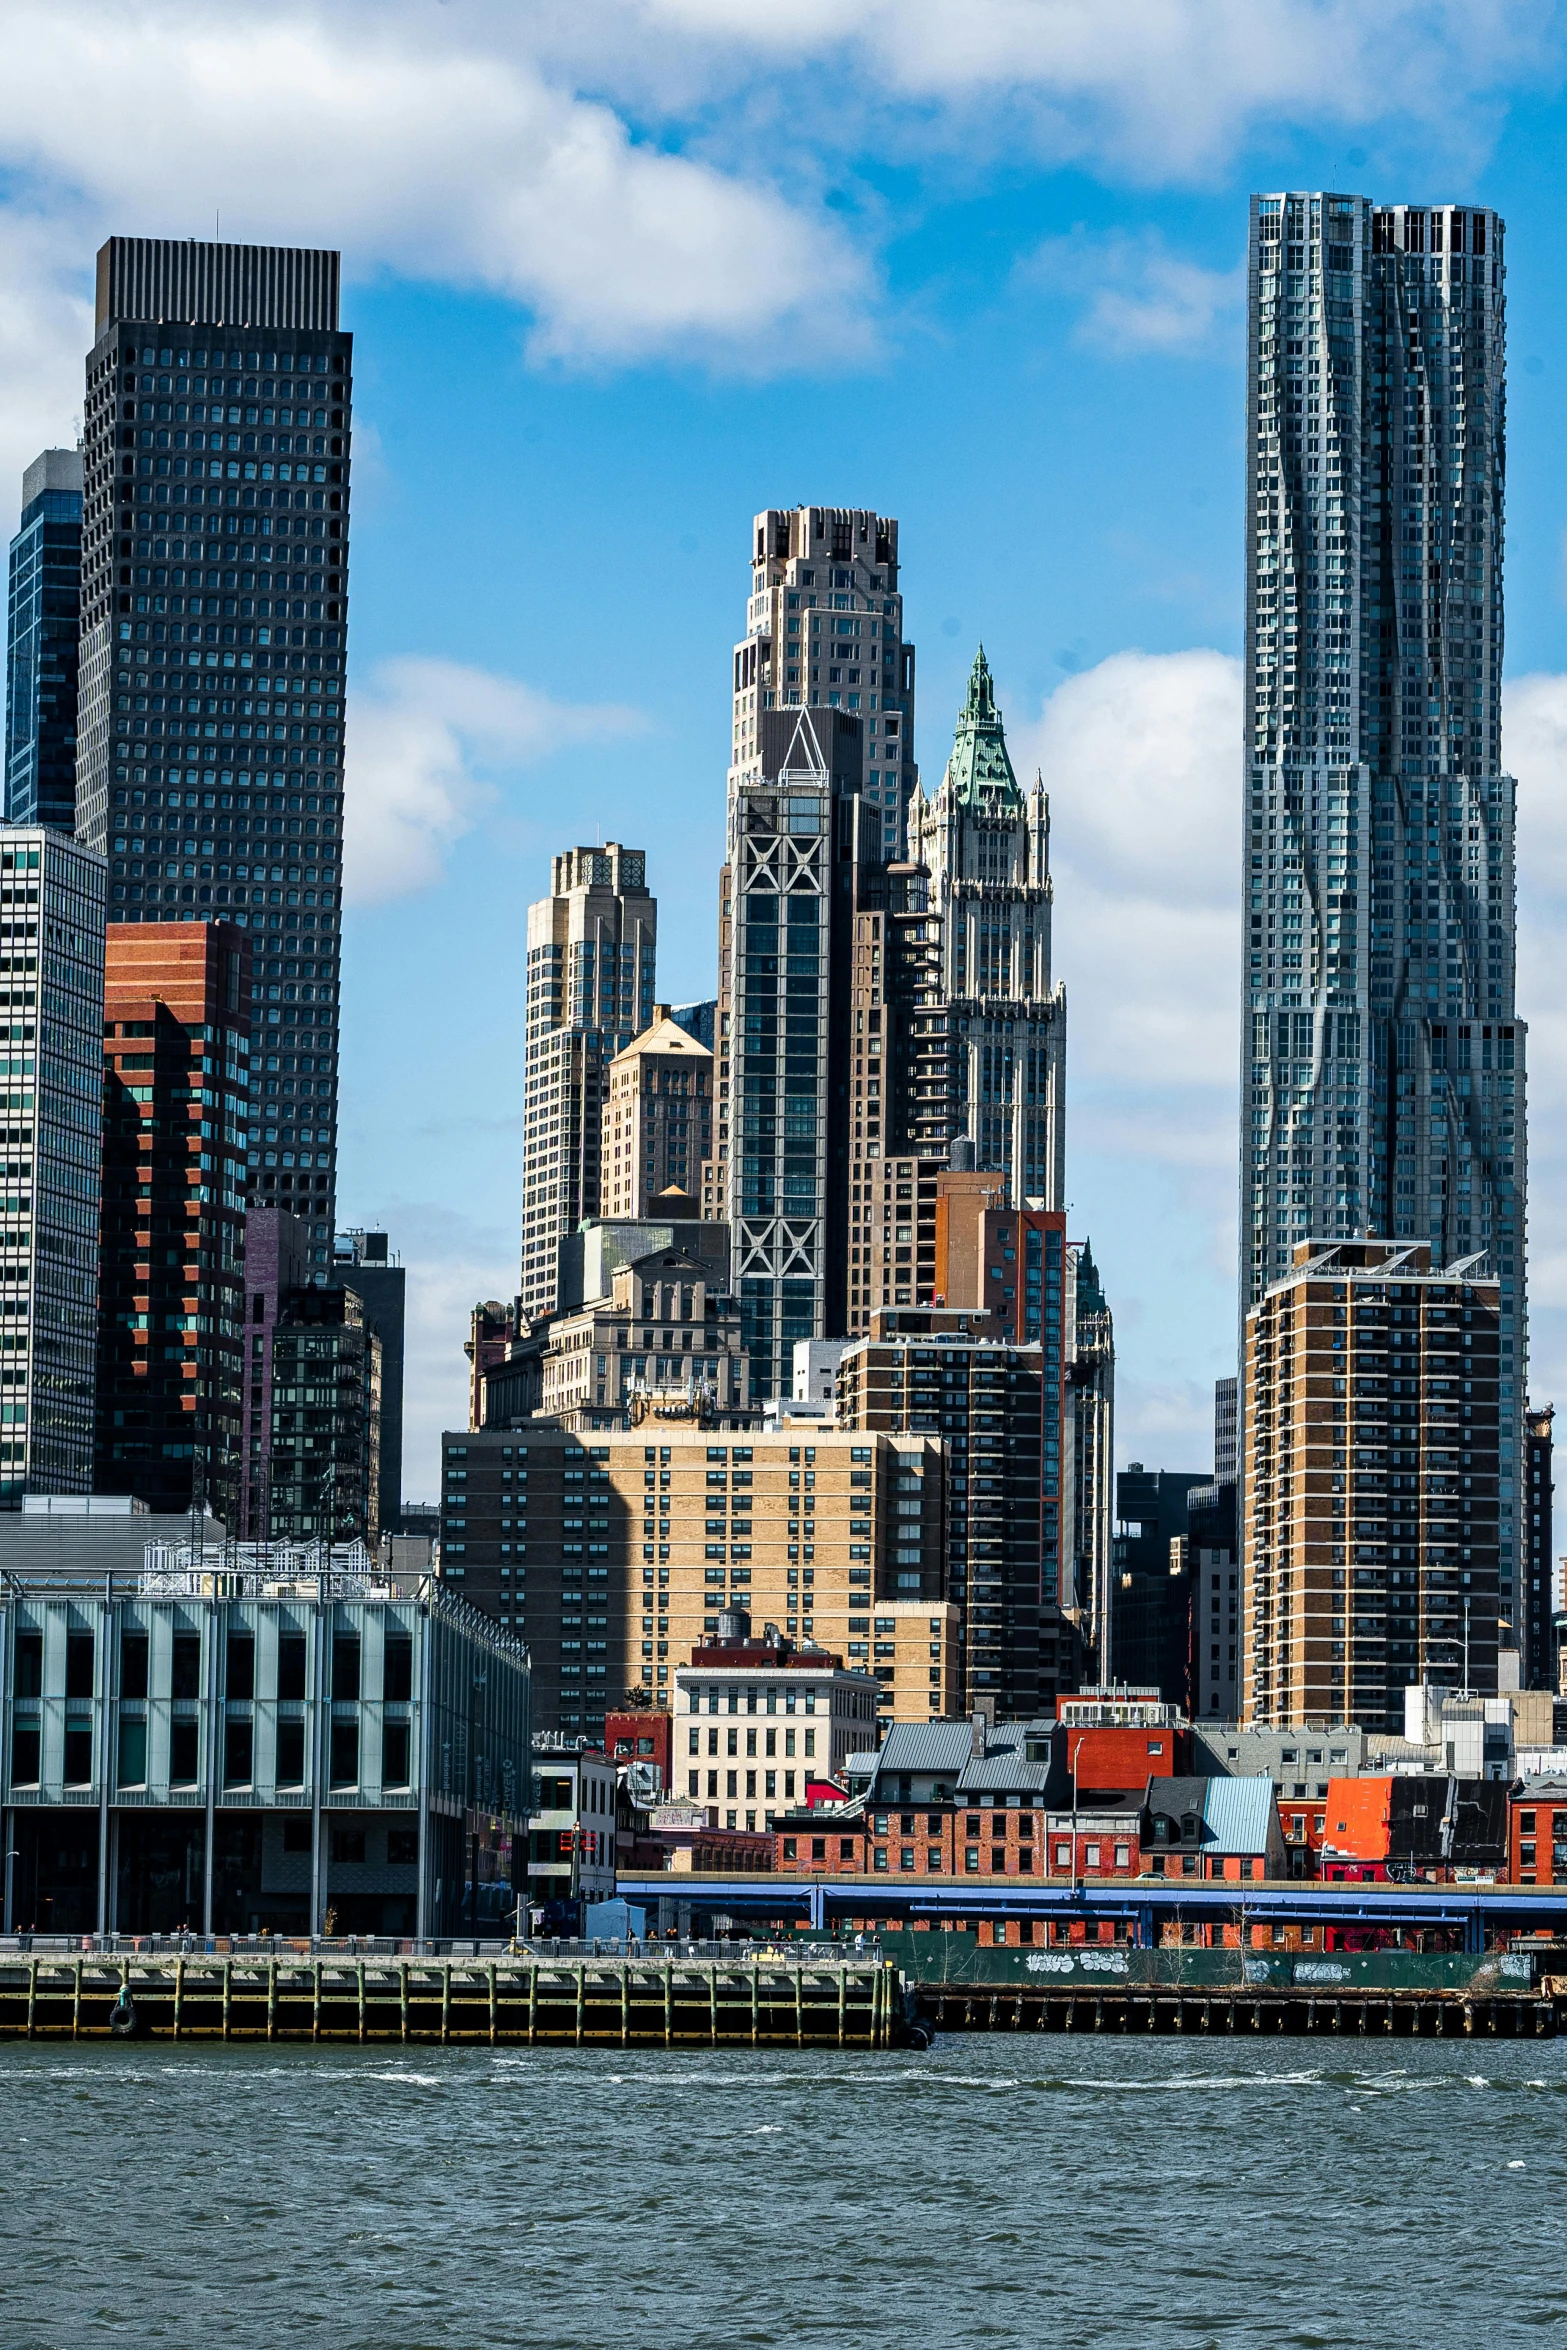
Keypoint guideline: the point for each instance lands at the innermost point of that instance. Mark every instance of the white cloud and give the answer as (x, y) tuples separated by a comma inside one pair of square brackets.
[(45, 330), (425, 741), (452, 1263), (1151, 89), (1138, 296), (1141, 757), (1535, 734), (426, 142)]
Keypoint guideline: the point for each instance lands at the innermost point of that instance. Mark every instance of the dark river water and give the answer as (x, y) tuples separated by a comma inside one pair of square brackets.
[(998, 2190)]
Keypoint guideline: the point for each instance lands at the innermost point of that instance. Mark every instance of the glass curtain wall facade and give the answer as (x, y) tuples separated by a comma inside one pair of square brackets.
[(43, 621), (1383, 1063), (780, 867), (214, 627)]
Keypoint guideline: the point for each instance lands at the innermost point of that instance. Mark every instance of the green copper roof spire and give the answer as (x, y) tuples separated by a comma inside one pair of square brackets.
[(979, 761), (1090, 1289)]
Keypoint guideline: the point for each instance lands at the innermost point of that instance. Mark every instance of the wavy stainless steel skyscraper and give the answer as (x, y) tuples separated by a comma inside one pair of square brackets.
[(1383, 1066)]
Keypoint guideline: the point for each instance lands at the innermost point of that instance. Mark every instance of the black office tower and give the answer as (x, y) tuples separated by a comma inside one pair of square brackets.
[(214, 626)]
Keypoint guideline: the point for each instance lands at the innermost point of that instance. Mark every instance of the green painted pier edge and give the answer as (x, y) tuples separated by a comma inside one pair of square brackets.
[(804, 2000)]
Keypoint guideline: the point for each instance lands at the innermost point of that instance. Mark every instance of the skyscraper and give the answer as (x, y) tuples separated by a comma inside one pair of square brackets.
[(51, 1018), (774, 995), (823, 701), (42, 637), (1383, 1063), (824, 630), (214, 620), (176, 1094), (592, 947), (985, 847)]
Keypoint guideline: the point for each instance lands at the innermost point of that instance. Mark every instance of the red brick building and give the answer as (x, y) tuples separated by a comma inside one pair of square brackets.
[(644, 1737)]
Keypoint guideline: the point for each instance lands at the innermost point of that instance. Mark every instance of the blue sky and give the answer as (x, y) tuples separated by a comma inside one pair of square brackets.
[(620, 275)]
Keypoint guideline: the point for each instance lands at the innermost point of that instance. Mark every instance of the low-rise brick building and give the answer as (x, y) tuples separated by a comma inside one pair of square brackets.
[(1537, 1833), (966, 1799)]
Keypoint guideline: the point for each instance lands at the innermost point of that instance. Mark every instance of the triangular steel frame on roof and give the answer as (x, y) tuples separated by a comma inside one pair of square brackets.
[(815, 767)]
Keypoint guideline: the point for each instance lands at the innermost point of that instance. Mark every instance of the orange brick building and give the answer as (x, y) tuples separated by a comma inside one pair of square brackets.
[(176, 1050)]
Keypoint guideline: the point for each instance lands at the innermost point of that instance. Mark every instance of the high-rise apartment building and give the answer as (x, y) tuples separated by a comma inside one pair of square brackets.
[(276, 1265), (1380, 1519), (592, 947), (51, 1013), (42, 638), (176, 1111), (366, 1265), (824, 630), (1226, 1431), (1087, 1593), (312, 1417), (614, 1556), (1384, 1065), (658, 1119), (214, 621), (998, 1410), (1152, 1600), (323, 1461), (1538, 1570), (985, 848)]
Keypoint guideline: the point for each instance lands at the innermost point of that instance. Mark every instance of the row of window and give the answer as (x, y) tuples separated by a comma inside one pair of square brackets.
[(238, 1761), (184, 1667)]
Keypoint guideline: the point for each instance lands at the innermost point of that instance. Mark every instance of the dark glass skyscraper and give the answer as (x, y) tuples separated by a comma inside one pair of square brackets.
[(41, 645), (214, 626)]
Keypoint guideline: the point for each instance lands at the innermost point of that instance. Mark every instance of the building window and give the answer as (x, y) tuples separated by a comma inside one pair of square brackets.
[(238, 1742), (345, 1752)]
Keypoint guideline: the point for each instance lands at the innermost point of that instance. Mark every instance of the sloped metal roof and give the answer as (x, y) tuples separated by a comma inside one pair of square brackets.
[(1239, 1815)]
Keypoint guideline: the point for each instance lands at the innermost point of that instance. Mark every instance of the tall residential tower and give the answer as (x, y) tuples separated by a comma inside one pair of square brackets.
[(592, 947), (213, 626), (1382, 1061)]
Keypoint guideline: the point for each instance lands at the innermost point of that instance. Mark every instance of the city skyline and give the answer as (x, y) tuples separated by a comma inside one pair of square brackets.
[(1109, 319)]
